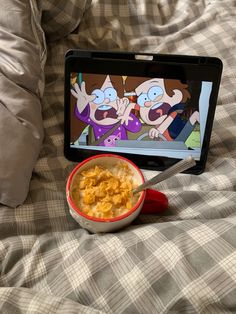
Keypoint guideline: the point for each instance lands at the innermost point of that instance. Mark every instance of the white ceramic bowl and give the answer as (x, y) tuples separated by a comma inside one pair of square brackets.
[(99, 225)]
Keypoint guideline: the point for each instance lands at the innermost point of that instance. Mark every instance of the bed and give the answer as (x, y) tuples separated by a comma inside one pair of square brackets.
[(182, 261)]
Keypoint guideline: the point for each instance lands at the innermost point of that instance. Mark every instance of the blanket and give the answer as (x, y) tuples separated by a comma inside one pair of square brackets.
[(182, 261)]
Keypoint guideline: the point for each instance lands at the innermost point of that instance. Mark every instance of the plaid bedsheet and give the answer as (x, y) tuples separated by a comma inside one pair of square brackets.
[(183, 261)]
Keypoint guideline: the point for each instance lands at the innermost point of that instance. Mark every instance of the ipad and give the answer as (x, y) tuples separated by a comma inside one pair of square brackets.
[(153, 109)]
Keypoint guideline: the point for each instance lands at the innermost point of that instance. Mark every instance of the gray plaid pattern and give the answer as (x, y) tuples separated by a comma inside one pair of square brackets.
[(60, 18), (183, 261)]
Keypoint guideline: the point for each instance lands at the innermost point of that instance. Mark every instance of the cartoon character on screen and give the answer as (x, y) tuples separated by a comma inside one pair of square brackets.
[(161, 103), (101, 104)]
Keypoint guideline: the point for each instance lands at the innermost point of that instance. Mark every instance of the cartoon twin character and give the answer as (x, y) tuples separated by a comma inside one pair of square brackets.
[(101, 104), (160, 102)]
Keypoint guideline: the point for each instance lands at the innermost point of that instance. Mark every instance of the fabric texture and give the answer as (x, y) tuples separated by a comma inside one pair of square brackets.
[(60, 18), (22, 58), (182, 261)]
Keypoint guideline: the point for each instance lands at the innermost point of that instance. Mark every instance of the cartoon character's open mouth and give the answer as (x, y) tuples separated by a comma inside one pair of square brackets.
[(158, 110), (104, 112)]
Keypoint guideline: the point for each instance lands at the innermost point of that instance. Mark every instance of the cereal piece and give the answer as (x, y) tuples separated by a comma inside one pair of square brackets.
[(104, 207), (117, 199), (128, 205), (82, 185), (88, 198), (127, 185), (114, 182), (92, 172), (105, 174), (103, 186), (89, 182), (100, 193), (86, 209)]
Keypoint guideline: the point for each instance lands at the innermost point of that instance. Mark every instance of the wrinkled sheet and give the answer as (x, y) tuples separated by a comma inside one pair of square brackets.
[(22, 59), (183, 261)]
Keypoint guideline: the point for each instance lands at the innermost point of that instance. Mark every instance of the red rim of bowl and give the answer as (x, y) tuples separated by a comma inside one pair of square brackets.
[(75, 208)]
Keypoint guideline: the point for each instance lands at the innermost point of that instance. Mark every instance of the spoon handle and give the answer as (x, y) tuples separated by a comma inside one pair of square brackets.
[(176, 168)]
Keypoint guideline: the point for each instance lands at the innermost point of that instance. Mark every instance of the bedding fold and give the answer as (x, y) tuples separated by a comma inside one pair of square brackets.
[(22, 59), (182, 261)]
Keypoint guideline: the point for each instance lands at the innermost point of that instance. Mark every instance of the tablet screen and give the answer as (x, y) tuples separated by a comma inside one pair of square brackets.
[(150, 116), (152, 112)]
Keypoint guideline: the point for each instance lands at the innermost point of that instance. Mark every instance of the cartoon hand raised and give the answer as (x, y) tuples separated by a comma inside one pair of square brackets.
[(122, 105), (123, 110), (81, 95)]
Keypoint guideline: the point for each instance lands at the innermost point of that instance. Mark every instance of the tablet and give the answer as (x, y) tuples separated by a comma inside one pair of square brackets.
[(153, 109)]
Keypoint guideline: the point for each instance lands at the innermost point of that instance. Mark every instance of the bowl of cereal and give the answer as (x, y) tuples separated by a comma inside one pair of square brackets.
[(100, 195)]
